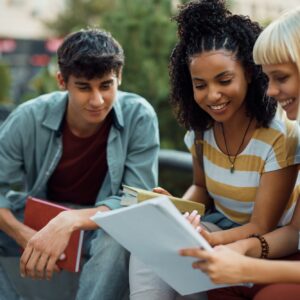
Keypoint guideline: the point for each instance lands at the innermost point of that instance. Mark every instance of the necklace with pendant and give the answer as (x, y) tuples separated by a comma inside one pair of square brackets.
[(232, 161)]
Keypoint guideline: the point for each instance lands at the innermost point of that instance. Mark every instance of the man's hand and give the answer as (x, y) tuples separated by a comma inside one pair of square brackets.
[(46, 247)]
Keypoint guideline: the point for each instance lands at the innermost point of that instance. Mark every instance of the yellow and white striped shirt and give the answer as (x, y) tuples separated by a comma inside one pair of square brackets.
[(269, 149)]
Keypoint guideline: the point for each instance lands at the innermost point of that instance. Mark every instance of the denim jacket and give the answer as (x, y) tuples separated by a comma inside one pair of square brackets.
[(31, 147)]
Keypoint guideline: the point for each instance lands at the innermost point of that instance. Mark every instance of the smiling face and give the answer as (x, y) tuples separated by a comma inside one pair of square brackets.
[(90, 101), (284, 86), (219, 84)]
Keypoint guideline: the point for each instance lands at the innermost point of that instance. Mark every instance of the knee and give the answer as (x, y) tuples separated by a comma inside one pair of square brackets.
[(105, 243)]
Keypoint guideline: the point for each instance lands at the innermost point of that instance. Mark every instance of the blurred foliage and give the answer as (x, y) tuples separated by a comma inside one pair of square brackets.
[(179, 183), (80, 14), (5, 80), (145, 31), (43, 82)]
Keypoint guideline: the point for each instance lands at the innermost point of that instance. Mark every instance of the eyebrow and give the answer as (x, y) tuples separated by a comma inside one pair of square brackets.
[(278, 72), (87, 83), (218, 75), (81, 83)]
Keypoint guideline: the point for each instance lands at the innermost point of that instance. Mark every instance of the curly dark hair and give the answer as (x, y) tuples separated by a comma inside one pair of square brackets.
[(206, 25), (89, 53)]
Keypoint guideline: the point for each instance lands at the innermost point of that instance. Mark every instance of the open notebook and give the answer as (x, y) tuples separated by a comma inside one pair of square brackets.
[(154, 231)]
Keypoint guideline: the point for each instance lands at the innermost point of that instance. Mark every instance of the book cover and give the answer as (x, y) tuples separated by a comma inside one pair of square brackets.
[(154, 231), (133, 195), (38, 213)]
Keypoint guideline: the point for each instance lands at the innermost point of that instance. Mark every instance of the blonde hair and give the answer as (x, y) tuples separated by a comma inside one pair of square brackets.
[(279, 42)]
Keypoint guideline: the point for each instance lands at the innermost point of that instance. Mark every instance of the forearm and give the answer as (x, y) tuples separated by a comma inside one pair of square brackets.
[(238, 233), (14, 228), (282, 242), (197, 194), (266, 271), (80, 218)]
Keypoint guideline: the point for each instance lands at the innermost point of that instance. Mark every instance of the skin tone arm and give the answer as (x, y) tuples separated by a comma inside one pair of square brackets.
[(224, 265), (197, 191), (45, 247), (14, 228), (273, 185), (227, 266), (271, 198)]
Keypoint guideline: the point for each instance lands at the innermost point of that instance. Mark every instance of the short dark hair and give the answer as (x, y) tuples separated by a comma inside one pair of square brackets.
[(207, 25), (89, 53)]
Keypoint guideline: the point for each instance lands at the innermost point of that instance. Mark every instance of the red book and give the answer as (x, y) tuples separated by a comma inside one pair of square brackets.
[(38, 213)]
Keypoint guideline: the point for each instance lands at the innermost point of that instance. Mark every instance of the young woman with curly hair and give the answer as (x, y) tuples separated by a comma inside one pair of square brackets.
[(278, 51), (250, 156)]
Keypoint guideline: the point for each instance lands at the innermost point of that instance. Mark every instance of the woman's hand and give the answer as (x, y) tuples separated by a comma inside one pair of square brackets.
[(162, 191), (194, 219), (222, 265)]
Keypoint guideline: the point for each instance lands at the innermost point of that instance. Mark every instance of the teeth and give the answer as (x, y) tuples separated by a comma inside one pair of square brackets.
[(286, 102), (217, 107)]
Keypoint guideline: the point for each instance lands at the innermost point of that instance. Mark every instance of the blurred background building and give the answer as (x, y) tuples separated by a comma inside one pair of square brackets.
[(26, 43), (263, 10), (23, 19)]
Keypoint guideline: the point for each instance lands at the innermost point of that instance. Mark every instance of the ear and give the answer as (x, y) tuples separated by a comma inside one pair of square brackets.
[(248, 75), (119, 77), (60, 81)]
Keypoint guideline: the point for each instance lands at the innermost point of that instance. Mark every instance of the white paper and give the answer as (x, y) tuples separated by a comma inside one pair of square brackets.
[(154, 231)]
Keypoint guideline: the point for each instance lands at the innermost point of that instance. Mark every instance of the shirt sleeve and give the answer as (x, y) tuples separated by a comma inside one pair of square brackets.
[(189, 140), (285, 150)]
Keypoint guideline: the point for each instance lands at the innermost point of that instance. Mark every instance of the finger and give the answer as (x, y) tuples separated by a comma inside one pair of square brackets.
[(62, 256), (201, 265), (205, 233), (24, 259), (31, 263), (196, 221), (51, 267), (41, 265), (195, 252), (160, 190), (186, 214), (192, 215)]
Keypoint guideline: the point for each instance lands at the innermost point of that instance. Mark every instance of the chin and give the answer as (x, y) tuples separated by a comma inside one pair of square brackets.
[(292, 116)]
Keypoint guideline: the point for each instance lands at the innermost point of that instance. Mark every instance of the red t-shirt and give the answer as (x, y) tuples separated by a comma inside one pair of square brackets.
[(82, 167)]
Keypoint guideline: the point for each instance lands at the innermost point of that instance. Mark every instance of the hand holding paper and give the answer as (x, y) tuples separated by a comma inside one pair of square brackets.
[(154, 231)]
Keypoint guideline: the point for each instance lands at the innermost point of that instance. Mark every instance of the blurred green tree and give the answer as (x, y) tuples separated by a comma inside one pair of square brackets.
[(145, 30), (5, 80)]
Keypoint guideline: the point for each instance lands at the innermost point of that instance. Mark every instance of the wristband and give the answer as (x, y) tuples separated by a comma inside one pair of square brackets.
[(264, 245)]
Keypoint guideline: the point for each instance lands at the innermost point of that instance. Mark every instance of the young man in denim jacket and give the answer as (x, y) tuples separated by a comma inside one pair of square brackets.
[(77, 146)]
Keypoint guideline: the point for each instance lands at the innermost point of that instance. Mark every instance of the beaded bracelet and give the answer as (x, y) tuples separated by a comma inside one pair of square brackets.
[(264, 245)]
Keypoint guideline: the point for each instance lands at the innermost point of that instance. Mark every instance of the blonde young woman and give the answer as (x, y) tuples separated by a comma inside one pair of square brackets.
[(278, 51)]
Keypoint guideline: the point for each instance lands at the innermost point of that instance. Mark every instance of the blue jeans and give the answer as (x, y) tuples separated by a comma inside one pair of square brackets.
[(8, 247), (104, 274)]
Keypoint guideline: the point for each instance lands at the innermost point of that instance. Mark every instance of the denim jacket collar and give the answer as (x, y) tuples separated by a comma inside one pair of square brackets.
[(54, 118)]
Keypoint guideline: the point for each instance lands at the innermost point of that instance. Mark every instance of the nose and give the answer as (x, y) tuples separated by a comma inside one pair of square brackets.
[(96, 98), (272, 90), (213, 94)]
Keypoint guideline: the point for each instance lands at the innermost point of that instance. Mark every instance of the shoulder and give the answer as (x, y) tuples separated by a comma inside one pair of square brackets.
[(133, 103), (40, 105), (189, 139), (280, 127)]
